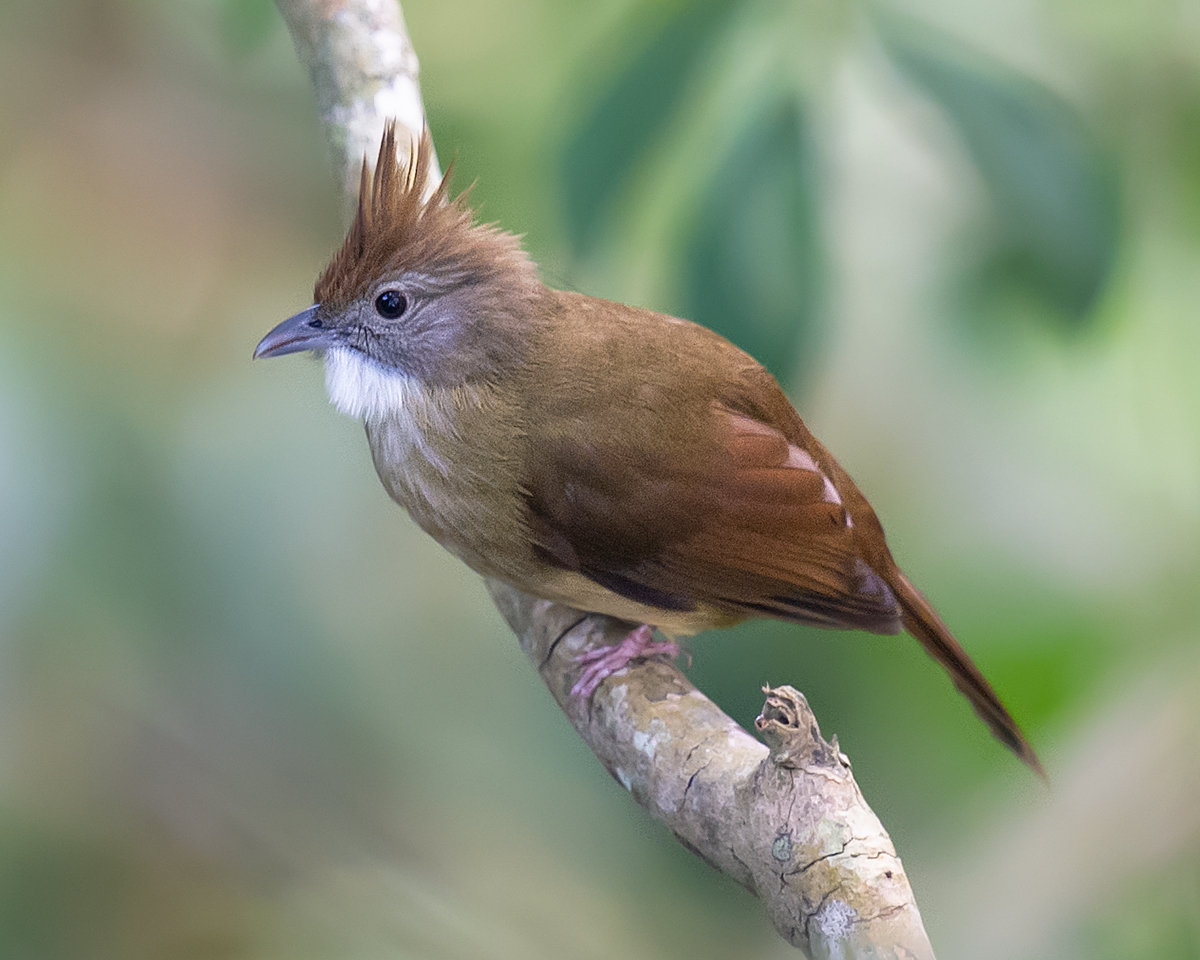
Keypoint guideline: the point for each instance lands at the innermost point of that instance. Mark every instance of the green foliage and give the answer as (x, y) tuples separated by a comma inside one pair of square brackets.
[(630, 114), (1158, 917), (629, 117), (753, 256), (1055, 203), (247, 25), (1182, 107), (59, 893), (752, 261), (751, 264)]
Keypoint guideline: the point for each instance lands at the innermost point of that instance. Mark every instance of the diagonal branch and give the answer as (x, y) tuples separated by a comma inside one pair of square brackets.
[(788, 822)]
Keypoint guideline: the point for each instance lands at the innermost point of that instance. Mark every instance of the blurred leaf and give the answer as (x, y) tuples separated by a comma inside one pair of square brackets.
[(753, 262), (1181, 105), (1053, 187), (58, 892), (246, 25), (604, 147), (1158, 916)]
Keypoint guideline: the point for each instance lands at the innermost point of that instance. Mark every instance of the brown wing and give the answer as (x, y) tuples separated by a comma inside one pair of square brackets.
[(730, 516)]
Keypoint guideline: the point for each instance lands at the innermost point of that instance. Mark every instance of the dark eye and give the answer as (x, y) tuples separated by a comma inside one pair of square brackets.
[(390, 304), (316, 324)]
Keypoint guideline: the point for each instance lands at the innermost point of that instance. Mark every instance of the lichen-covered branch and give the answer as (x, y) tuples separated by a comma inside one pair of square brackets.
[(364, 72), (788, 822)]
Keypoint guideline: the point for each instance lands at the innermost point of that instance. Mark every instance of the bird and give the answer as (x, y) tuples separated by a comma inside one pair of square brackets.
[(607, 457)]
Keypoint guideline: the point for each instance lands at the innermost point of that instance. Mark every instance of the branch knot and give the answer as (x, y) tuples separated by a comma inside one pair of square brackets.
[(789, 729)]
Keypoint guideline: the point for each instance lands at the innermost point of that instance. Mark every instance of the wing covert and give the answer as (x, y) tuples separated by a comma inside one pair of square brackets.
[(730, 516)]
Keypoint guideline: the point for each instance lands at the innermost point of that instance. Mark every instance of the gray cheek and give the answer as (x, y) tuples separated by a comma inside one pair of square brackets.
[(438, 345), (440, 336), (395, 343)]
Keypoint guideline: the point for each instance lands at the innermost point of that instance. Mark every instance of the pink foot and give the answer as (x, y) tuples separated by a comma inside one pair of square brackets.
[(604, 662)]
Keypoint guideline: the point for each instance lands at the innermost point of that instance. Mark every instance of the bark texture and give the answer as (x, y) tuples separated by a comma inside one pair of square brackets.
[(364, 73), (786, 820)]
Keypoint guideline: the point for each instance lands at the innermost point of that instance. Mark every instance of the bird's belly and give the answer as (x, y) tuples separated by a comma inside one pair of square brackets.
[(582, 593), (471, 506), (462, 496)]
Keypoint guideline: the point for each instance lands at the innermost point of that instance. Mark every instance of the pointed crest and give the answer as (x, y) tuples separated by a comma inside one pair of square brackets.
[(396, 228)]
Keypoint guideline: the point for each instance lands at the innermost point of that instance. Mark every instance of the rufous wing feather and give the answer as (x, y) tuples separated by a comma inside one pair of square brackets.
[(745, 524), (682, 500)]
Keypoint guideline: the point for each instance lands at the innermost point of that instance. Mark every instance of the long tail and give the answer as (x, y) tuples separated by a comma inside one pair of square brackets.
[(922, 621)]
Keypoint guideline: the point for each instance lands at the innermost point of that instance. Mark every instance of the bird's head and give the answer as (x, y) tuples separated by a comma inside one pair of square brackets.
[(417, 293)]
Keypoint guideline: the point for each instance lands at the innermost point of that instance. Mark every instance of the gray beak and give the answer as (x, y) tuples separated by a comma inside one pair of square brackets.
[(301, 332)]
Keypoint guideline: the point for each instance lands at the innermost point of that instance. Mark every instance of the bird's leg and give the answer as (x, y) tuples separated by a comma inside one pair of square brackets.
[(602, 663)]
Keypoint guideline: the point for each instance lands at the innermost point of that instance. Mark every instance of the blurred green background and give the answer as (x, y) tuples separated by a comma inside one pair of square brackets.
[(248, 711)]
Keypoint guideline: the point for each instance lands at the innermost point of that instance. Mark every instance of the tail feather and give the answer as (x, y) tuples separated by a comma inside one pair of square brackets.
[(922, 621)]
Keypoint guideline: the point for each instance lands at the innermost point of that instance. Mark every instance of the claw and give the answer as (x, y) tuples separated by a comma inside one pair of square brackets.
[(603, 662)]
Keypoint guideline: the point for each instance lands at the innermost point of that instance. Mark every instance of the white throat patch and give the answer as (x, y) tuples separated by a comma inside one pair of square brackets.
[(361, 388)]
